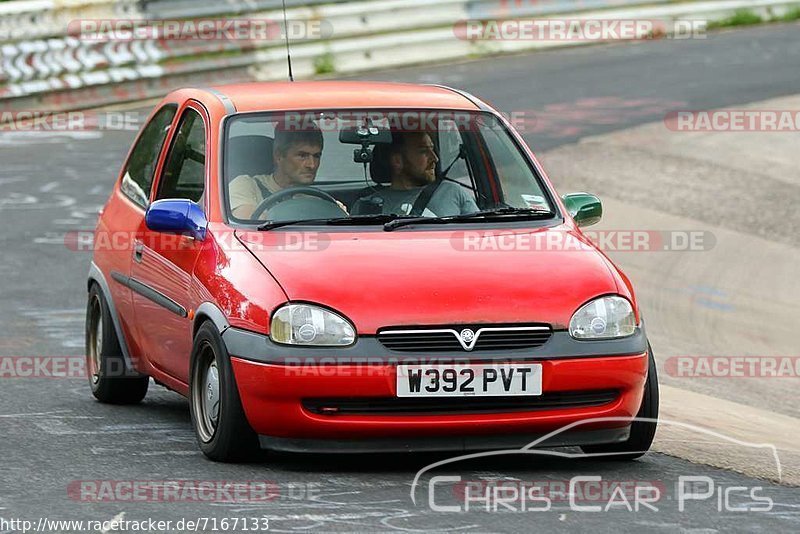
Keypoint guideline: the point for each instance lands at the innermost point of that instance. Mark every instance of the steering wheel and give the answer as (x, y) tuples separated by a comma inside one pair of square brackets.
[(287, 193)]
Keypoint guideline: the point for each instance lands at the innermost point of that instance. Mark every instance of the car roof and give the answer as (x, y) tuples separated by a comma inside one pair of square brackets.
[(283, 96)]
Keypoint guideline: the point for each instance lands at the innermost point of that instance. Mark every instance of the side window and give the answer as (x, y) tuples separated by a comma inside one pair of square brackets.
[(137, 180), (519, 185), (184, 171)]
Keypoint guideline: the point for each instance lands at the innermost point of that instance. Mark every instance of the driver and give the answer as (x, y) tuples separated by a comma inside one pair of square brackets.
[(296, 155), (412, 162)]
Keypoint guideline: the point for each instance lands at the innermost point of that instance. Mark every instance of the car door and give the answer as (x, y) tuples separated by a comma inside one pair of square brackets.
[(123, 216), (163, 265)]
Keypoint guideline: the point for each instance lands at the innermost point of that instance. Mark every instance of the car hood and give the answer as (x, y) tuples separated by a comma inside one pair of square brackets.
[(411, 277)]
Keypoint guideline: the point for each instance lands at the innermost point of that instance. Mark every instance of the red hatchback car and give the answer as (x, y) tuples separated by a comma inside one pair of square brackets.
[(357, 266)]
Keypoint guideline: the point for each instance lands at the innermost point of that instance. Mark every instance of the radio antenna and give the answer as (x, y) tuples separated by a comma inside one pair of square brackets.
[(288, 51)]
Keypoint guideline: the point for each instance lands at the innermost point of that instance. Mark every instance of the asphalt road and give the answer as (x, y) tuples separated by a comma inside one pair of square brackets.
[(55, 435)]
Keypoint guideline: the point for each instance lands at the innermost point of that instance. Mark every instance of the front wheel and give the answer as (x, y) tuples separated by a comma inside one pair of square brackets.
[(221, 428), (643, 428)]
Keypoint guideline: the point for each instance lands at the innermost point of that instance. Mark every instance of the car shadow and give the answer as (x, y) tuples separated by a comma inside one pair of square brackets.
[(412, 462)]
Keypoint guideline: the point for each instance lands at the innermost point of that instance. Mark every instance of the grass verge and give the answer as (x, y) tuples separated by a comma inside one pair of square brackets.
[(747, 17)]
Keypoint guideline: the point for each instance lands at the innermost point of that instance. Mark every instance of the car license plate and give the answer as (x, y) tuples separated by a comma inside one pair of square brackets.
[(487, 380)]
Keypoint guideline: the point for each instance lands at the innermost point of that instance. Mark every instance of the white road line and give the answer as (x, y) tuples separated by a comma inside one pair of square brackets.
[(48, 187), (25, 415)]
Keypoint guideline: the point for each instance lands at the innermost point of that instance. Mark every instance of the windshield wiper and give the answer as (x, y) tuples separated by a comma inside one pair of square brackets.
[(376, 218), (338, 221), (269, 225), (391, 221), (496, 213)]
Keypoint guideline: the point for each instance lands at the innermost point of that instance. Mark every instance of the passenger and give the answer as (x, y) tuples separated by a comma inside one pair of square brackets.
[(411, 163)]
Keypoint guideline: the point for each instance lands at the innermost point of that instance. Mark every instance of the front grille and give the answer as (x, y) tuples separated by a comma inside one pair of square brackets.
[(482, 338), (458, 405)]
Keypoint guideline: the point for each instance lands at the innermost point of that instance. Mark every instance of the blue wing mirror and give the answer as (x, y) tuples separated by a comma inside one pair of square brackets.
[(179, 216)]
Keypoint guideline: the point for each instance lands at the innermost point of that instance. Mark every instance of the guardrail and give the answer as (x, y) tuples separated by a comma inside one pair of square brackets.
[(61, 68)]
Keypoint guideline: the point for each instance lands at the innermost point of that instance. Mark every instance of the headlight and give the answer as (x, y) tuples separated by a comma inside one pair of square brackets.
[(603, 318), (304, 324)]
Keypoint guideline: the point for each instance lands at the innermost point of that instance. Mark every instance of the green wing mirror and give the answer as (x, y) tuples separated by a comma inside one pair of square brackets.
[(586, 209)]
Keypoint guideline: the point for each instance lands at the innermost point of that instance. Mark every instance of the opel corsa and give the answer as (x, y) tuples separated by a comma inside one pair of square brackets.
[(357, 267)]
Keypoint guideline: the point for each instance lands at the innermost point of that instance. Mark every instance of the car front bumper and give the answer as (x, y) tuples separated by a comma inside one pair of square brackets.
[(276, 384)]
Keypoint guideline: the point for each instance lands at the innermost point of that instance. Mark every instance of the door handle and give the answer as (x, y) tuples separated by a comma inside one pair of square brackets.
[(138, 251)]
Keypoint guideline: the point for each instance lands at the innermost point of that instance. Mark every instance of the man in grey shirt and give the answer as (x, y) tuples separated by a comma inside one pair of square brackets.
[(412, 166)]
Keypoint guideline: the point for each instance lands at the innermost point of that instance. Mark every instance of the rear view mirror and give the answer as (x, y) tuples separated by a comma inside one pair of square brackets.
[(365, 135), (178, 216), (584, 208)]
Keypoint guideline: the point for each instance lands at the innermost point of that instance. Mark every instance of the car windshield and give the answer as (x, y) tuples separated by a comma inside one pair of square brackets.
[(370, 165)]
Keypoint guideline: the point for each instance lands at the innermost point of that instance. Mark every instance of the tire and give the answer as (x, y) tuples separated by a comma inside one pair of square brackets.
[(218, 419), (110, 379), (642, 432)]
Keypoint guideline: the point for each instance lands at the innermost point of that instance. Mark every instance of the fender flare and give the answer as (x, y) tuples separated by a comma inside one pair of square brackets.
[(96, 276), (210, 311)]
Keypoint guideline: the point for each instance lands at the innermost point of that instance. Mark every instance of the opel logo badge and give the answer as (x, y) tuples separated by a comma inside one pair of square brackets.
[(467, 335)]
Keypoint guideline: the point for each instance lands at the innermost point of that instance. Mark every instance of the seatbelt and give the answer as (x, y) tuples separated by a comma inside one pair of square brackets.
[(264, 191), (424, 198)]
